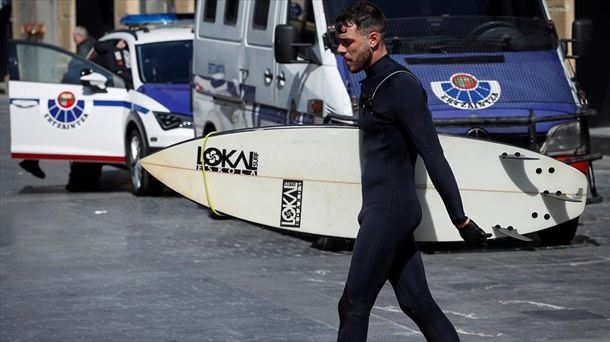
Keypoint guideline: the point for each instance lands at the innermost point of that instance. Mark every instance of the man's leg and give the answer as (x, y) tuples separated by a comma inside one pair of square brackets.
[(408, 278), (33, 167), (372, 259)]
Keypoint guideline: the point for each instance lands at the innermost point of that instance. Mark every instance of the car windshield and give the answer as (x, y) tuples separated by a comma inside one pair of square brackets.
[(165, 62), (444, 26)]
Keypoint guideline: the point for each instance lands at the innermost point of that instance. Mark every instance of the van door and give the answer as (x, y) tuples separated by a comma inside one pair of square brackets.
[(291, 78), (218, 60), (54, 116), (260, 64)]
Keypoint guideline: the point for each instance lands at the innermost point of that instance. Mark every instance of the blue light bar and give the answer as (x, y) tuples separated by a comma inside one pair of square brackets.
[(149, 19)]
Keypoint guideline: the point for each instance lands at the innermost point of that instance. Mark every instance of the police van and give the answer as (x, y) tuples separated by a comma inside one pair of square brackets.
[(129, 99), (492, 69)]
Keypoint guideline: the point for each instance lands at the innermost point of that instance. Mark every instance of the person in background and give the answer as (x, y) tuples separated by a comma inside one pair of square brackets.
[(114, 56), (83, 42)]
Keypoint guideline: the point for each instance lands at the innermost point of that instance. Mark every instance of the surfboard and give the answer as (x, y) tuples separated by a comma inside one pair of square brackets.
[(307, 179)]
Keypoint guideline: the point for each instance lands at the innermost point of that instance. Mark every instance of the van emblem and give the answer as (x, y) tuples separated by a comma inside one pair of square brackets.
[(465, 91)]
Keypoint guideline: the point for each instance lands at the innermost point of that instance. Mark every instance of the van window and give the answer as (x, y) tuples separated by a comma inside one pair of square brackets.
[(261, 14), (231, 8), (302, 17), (209, 12)]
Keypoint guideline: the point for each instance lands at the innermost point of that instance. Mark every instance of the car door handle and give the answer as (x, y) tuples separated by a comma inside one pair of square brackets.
[(281, 80), (268, 77), (24, 103)]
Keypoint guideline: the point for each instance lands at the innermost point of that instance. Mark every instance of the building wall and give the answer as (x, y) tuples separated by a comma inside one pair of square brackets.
[(562, 13), (124, 7), (57, 18)]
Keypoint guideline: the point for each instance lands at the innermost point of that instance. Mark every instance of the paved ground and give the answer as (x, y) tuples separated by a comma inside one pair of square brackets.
[(108, 266)]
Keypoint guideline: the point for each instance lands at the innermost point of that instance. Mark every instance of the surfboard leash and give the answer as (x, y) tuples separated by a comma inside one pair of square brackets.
[(205, 178)]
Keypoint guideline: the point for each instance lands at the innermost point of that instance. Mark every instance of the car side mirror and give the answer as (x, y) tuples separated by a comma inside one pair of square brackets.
[(285, 46), (581, 37), (93, 80)]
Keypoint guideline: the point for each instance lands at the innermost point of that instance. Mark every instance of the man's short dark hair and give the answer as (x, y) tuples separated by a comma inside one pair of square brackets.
[(366, 16)]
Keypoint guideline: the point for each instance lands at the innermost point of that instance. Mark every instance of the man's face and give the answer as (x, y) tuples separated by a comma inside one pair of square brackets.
[(355, 49), (77, 38)]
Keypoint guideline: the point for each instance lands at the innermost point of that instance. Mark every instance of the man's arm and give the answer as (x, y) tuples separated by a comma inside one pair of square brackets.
[(415, 119)]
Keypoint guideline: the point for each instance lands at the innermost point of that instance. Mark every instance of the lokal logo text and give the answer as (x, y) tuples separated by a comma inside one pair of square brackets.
[(292, 200), (464, 91), (65, 111), (228, 161)]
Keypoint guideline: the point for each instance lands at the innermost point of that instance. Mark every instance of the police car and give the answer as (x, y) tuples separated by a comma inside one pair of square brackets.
[(128, 100)]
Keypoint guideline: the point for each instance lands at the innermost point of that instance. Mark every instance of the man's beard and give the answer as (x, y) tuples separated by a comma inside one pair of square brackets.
[(362, 62)]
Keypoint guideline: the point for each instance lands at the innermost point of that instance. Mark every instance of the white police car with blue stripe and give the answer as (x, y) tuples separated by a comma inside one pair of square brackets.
[(128, 99)]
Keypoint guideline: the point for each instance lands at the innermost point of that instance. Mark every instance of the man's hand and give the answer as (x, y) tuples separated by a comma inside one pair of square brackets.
[(472, 233)]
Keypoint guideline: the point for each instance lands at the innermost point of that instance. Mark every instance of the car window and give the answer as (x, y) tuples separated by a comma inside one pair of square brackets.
[(165, 62), (49, 64)]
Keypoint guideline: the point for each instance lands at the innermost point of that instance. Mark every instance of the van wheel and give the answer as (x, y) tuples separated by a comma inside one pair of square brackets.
[(84, 177), (561, 234), (142, 183)]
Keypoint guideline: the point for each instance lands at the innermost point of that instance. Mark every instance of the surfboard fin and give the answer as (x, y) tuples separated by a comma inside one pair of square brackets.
[(558, 195), (516, 156), (509, 232)]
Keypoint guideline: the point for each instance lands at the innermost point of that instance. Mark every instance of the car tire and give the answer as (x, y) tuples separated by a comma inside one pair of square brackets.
[(84, 177), (561, 234), (142, 183)]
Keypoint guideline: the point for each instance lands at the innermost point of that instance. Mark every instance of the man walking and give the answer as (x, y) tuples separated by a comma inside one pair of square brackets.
[(396, 126)]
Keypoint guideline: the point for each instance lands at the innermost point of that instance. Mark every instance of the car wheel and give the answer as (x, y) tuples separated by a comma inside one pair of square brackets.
[(561, 234), (142, 183)]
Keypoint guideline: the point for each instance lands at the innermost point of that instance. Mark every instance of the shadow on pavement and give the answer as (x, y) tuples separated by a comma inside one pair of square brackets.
[(113, 180)]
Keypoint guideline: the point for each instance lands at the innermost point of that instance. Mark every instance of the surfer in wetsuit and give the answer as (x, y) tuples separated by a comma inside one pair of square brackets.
[(396, 126)]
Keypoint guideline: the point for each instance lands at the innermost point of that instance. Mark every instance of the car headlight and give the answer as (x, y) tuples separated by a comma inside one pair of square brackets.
[(173, 120), (564, 139)]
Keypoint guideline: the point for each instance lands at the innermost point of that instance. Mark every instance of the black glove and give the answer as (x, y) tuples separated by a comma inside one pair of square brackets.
[(473, 234)]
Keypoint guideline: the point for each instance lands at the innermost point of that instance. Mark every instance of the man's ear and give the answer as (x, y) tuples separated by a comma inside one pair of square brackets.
[(374, 39)]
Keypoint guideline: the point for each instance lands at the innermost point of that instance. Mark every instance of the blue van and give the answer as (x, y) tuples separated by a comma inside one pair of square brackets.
[(492, 69)]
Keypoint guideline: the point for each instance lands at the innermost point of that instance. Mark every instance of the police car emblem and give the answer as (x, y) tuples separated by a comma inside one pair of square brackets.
[(464, 91), (65, 111)]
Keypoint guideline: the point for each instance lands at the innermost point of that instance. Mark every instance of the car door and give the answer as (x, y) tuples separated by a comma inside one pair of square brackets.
[(55, 116)]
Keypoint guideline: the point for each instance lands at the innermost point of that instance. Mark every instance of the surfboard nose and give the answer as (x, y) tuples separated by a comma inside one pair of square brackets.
[(147, 162)]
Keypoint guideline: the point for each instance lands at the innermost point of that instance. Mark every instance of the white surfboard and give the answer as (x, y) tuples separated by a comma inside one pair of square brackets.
[(307, 179)]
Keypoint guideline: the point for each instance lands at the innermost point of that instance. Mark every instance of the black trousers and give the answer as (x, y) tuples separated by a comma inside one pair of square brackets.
[(386, 250)]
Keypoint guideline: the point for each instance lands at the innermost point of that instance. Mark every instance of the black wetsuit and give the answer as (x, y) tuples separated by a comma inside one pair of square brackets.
[(395, 127)]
